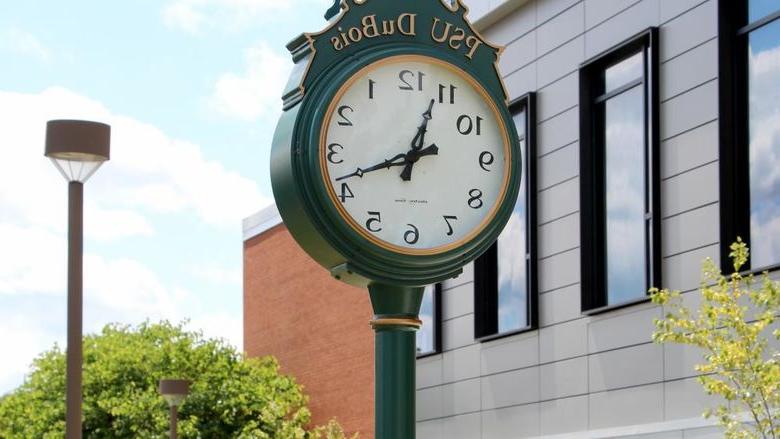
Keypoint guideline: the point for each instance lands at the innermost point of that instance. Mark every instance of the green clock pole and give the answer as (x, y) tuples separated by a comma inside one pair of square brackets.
[(396, 320)]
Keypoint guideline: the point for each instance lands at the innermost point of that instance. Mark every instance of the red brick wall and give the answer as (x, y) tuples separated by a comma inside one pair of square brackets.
[(317, 327)]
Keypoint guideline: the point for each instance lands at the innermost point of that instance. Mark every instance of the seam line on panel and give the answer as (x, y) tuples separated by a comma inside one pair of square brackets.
[(558, 253), (557, 184), (700, 85), (556, 149), (664, 179), (688, 50), (684, 12), (457, 317), (692, 249), (558, 218), (556, 114), (683, 212), (612, 16), (689, 130)]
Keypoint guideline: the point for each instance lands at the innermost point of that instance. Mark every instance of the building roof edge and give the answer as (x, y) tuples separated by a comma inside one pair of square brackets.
[(261, 221)]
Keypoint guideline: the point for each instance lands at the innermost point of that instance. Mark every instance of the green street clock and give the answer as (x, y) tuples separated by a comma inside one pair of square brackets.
[(396, 160)]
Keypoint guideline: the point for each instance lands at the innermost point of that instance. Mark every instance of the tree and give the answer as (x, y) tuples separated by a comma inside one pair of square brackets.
[(732, 326), (231, 396)]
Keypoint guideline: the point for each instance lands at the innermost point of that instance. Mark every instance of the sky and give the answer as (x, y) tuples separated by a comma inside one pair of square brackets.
[(192, 90)]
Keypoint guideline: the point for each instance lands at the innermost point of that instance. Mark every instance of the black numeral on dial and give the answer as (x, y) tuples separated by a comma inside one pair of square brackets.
[(466, 125), (475, 202), (344, 121), (374, 221), (346, 192), (406, 75), (443, 90), (412, 236), (332, 152), (371, 83), (486, 159), (447, 219)]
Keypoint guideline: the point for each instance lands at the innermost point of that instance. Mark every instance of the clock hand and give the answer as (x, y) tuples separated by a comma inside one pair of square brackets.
[(413, 156), (417, 143), (386, 164)]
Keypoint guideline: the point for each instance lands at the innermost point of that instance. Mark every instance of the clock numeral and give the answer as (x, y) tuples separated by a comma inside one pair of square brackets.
[(345, 122), (404, 74), (466, 125), (346, 192), (376, 217), (475, 202), (447, 219), (412, 236), (332, 153), (485, 159), (442, 89), (371, 84)]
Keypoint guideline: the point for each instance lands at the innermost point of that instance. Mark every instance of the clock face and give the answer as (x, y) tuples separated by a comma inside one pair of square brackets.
[(415, 154)]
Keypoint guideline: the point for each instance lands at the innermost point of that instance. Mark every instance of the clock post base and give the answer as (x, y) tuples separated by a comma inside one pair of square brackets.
[(396, 320)]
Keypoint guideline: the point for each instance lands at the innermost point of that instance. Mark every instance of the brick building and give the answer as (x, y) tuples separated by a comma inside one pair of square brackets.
[(653, 132)]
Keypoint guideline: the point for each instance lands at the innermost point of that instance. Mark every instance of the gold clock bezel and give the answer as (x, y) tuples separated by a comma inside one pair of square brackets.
[(334, 197)]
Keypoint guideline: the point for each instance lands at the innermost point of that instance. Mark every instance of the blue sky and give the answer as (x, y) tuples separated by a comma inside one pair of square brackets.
[(191, 89)]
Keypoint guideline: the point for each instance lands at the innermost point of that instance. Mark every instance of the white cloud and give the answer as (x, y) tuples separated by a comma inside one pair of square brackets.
[(28, 341), (255, 93), (24, 43), (219, 275), (194, 16)]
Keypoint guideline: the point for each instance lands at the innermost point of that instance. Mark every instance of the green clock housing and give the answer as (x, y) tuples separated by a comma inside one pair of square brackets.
[(396, 160)]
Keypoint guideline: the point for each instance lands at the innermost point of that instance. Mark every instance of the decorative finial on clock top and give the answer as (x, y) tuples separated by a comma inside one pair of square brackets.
[(333, 10)]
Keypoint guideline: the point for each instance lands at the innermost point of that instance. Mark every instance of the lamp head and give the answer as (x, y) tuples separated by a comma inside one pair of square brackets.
[(174, 391), (77, 147)]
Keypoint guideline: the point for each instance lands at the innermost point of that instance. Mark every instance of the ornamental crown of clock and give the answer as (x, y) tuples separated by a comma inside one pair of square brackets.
[(396, 159)]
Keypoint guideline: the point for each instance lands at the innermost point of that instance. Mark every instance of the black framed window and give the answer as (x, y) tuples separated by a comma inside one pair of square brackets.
[(505, 276), (619, 191), (429, 335), (750, 129)]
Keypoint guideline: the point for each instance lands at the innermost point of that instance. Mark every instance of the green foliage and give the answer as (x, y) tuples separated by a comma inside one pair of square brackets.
[(732, 325), (231, 396)]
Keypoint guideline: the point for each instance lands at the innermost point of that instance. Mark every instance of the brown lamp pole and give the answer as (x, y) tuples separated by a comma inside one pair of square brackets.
[(77, 148), (174, 392)]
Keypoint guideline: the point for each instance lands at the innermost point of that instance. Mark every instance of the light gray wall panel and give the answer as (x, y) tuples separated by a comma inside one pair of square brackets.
[(621, 27), (689, 30), (560, 235), (559, 305), (558, 131), (660, 435), (682, 272), (429, 403), (518, 53), (521, 82), (460, 364), (564, 415), (510, 388), (547, 9), (686, 399), (692, 189), (597, 11), (688, 70), (689, 110), (704, 433), (626, 367), (457, 301), (560, 62), (691, 230), (466, 277), (511, 422), (514, 25), (429, 429), (636, 405), (672, 8), (558, 201), (558, 96), (564, 378), (509, 353), (558, 166), (680, 360), (559, 271), (618, 329), (429, 371), (688, 150), (457, 332), (461, 397), (461, 427), (563, 341)]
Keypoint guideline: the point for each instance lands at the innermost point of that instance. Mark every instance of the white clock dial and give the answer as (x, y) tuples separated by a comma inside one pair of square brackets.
[(408, 108)]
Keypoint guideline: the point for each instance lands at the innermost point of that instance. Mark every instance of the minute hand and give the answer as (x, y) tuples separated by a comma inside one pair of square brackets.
[(398, 160)]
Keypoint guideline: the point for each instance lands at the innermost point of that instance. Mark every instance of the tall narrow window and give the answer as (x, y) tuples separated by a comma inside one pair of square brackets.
[(429, 335), (505, 283), (750, 129), (619, 185)]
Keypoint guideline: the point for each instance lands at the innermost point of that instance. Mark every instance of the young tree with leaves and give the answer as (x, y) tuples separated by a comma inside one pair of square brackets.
[(732, 326)]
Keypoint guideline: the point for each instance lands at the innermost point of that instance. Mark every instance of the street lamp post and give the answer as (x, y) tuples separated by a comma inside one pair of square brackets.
[(174, 392), (77, 148)]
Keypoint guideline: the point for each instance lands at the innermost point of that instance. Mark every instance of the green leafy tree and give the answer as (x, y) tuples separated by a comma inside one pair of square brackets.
[(231, 396), (732, 326)]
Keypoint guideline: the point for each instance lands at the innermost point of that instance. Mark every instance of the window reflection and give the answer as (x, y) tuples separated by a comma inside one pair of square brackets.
[(426, 343), (758, 9), (624, 72), (625, 209), (764, 109)]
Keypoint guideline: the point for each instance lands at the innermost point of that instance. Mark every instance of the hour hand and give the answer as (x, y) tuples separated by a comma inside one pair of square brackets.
[(398, 160), (413, 156)]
